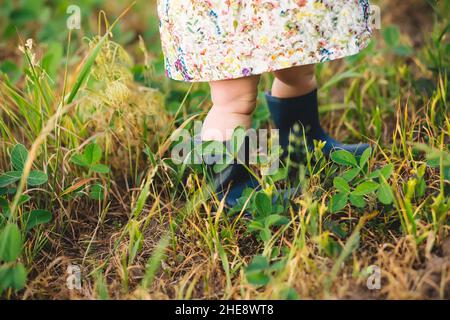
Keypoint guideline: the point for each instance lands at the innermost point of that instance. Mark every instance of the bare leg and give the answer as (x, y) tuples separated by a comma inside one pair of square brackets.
[(294, 82), (233, 104)]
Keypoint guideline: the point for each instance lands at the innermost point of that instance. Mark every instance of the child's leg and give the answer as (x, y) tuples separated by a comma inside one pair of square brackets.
[(293, 100), (294, 82), (233, 104)]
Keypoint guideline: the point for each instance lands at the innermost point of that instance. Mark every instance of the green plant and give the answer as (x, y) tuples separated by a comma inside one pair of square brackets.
[(435, 158), (356, 183), (260, 270), (392, 93), (90, 159), (13, 274), (266, 214), (18, 157), (392, 39)]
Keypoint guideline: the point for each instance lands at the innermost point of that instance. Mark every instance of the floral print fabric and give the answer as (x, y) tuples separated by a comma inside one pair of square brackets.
[(206, 40)]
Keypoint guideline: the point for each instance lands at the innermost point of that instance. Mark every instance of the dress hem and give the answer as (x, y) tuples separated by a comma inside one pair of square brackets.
[(267, 70)]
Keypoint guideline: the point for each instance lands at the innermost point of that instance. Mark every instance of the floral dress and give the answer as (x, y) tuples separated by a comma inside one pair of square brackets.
[(206, 40)]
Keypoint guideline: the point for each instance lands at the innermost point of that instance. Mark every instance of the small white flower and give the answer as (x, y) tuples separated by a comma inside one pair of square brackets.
[(29, 44)]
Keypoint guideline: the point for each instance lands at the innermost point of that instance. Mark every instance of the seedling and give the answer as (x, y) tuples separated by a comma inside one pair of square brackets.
[(18, 157), (90, 158), (355, 184)]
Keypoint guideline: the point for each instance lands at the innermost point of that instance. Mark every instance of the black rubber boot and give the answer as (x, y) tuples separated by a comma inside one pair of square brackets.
[(232, 182), (304, 110), (235, 178)]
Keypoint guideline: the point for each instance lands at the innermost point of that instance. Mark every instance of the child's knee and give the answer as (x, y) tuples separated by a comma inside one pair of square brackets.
[(235, 96), (297, 76), (242, 105)]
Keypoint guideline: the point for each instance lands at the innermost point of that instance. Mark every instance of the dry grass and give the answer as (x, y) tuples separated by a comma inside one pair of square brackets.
[(155, 215)]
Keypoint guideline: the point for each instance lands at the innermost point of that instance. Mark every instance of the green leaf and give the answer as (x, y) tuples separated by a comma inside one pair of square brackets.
[(446, 173), (365, 188), (263, 203), (23, 199), (80, 160), (93, 153), (365, 157), (265, 234), (37, 217), (19, 155), (4, 203), (385, 195), (14, 277), (19, 277), (9, 177), (278, 266), (341, 185), (344, 157), (275, 220), (3, 191), (280, 174), (351, 174), (97, 192), (255, 225), (10, 243), (391, 36), (237, 140), (213, 148), (374, 174), (259, 263), (385, 172), (257, 278), (357, 201), (4, 208), (99, 168), (290, 294), (403, 50), (278, 209), (37, 178), (338, 202)]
